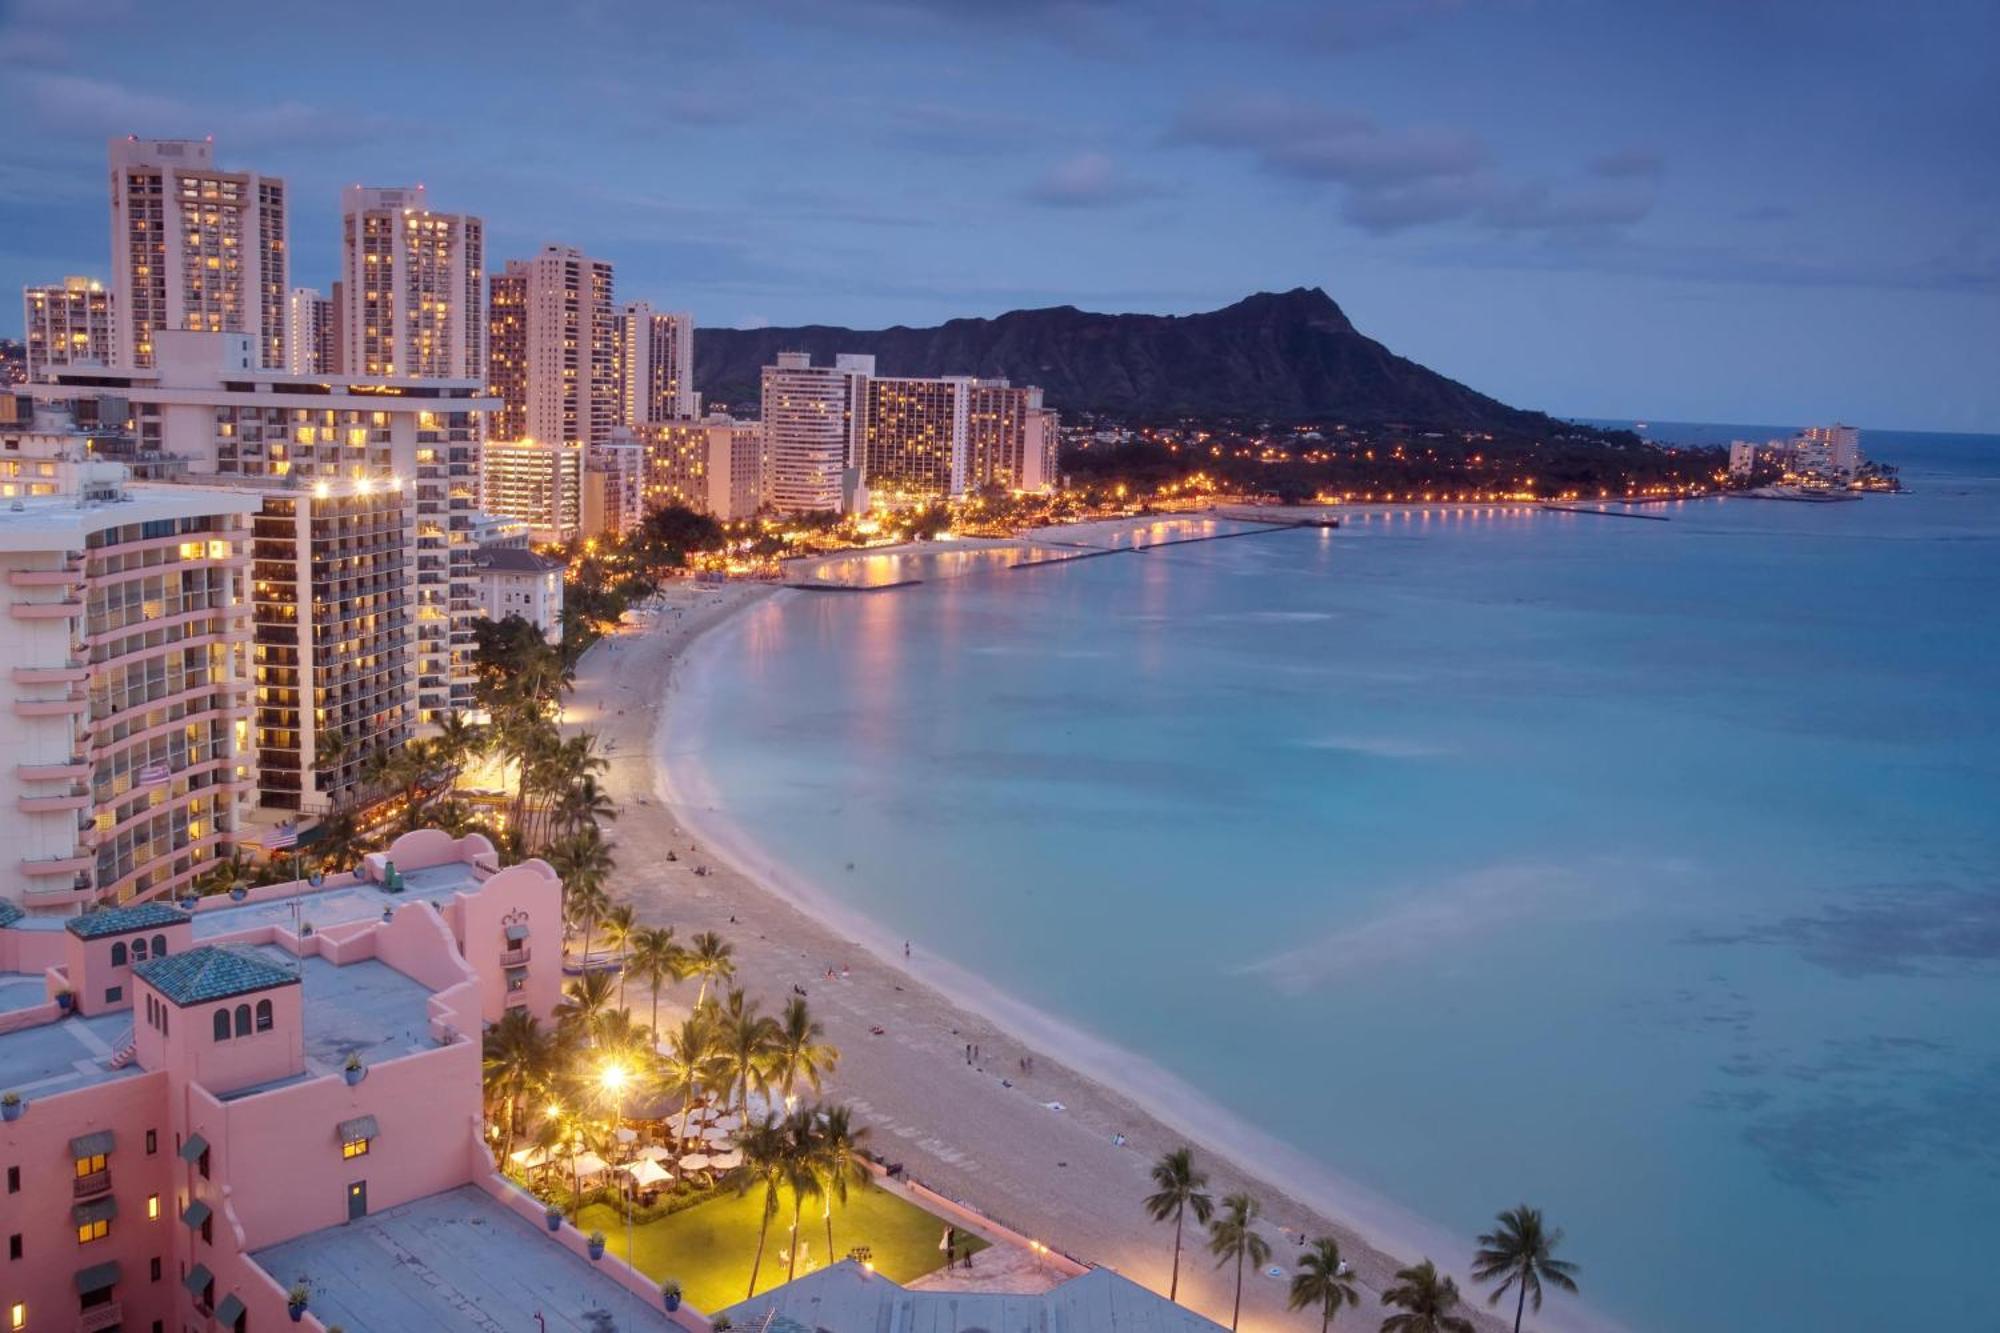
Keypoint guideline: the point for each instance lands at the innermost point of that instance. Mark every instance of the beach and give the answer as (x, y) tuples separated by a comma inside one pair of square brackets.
[(1058, 1155)]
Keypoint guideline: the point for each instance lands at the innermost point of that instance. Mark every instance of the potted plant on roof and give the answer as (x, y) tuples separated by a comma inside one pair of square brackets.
[(295, 1301), (11, 1106), (353, 1071), (670, 1295), (596, 1245), (189, 901), (553, 1216), (65, 1000), (238, 892)]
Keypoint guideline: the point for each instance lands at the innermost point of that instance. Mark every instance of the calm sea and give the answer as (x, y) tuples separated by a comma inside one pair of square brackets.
[(1644, 871)]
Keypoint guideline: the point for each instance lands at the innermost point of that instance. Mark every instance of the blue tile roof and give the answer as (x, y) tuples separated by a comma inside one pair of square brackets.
[(211, 972), (119, 920), (9, 913)]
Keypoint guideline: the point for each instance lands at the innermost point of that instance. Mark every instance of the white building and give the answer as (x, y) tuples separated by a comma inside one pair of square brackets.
[(614, 486), (311, 321), (554, 336), (195, 248), (125, 763), (1041, 447), (656, 364), (1742, 458), (207, 404), (414, 283), (66, 323), (1829, 452), (521, 583), (737, 466), (812, 417), (540, 484)]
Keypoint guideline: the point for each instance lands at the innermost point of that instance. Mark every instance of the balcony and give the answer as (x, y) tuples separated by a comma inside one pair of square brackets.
[(45, 867), (92, 1185), (67, 609), (45, 578), (514, 957), (76, 798), (75, 769), (70, 705), (100, 1317), (517, 999), (70, 673)]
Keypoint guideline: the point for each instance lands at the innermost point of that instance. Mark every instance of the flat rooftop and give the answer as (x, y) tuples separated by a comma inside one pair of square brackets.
[(457, 1262), (846, 1298), (65, 1055), (21, 990), (333, 906), (366, 1008)]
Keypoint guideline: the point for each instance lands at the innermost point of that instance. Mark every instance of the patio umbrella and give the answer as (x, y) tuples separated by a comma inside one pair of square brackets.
[(528, 1156), (590, 1164), (730, 1121), (726, 1161), (656, 1152), (646, 1172), (695, 1161), (714, 1132), (627, 1135)]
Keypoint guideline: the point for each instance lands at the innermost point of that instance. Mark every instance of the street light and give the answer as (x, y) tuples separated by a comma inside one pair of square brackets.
[(614, 1078)]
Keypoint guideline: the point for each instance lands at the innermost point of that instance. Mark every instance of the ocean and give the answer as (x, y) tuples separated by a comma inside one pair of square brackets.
[(1642, 871)]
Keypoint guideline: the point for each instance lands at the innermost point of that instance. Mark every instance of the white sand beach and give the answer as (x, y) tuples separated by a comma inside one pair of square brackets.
[(1060, 1176)]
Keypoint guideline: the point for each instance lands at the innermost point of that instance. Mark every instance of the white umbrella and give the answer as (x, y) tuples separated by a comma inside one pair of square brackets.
[(726, 1161), (656, 1152), (714, 1132), (627, 1135), (645, 1172), (528, 1156), (730, 1121), (678, 1120), (590, 1164), (695, 1161)]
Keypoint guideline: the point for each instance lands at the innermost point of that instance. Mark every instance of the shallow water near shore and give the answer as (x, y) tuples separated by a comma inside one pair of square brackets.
[(1643, 871)]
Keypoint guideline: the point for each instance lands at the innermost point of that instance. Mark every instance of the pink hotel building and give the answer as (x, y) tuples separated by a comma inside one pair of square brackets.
[(184, 1141)]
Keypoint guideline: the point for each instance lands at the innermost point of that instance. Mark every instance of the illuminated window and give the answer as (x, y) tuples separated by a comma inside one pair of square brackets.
[(17, 1315), (355, 1148), (152, 1207), (86, 1166), (90, 1231)]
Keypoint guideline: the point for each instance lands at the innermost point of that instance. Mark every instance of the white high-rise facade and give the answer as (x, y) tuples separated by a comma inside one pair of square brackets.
[(195, 248), (311, 336), (555, 334), (812, 419), (66, 323), (414, 283), (656, 364)]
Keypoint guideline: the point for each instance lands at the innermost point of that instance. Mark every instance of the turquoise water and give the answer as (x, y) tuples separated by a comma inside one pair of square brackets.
[(1643, 871)]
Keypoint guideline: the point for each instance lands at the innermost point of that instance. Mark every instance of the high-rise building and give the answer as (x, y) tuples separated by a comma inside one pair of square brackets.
[(311, 336), (813, 417), (614, 486), (540, 484), (66, 323), (1832, 452), (676, 462), (127, 750), (736, 466), (915, 441), (334, 350), (206, 406), (415, 286), (195, 248), (565, 387), (656, 365), (1041, 447)]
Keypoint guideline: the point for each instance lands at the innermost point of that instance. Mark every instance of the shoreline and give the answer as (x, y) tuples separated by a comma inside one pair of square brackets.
[(1088, 1202)]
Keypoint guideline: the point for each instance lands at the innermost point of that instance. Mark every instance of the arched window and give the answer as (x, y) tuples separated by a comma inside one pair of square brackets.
[(263, 1015), (138, 950), (159, 946), (222, 1024), (118, 954), (242, 1020)]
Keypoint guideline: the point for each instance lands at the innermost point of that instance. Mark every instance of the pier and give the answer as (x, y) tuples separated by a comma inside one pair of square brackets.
[(1603, 513)]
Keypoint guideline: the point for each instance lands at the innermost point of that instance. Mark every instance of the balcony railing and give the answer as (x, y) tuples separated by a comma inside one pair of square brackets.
[(100, 1317), (97, 1182), (514, 957)]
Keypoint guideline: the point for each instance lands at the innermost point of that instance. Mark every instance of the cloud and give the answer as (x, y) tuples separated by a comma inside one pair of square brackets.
[(1393, 178), (1088, 180), (76, 104)]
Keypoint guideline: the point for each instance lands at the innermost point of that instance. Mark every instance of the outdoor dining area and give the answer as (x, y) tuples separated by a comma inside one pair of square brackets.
[(650, 1150)]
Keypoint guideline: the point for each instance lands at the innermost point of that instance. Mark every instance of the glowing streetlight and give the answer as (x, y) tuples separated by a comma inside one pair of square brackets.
[(614, 1078)]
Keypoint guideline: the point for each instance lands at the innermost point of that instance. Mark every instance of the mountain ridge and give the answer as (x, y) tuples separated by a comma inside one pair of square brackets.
[(1288, 356)]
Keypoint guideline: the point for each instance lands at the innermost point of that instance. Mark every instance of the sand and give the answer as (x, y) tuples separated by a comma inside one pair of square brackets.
[(1059, 1176)]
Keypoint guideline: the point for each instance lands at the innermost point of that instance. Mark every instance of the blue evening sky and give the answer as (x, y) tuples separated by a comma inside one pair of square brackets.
[(1754, 210)]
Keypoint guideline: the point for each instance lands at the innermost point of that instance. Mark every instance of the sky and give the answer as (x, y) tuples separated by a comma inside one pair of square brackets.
[(1769, 211)]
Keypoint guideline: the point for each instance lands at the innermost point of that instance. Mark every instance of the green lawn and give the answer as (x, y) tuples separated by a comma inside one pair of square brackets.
[(708, 1248)]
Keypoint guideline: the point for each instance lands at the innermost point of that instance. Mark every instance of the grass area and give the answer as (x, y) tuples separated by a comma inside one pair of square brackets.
[(708, 1248)]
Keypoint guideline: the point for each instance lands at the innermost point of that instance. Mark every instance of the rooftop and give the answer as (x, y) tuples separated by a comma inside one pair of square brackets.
[(456, 1262), (511, 560), (848, 1298), (123, 920), (212, 972), (366, 1008), (64, 1056), (22, 990), (359, 901), (10, 912)]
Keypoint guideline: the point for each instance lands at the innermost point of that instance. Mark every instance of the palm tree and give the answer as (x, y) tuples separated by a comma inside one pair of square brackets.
[(1521, 1253), (747, 1040), (583, 804), (619, 923), (590, 997), (1234, 1237), (842, 1161), (1322, 1281), (1427, 1301), (798, 1052), (585, 904), (655, 959), (516, 1056), (690, 1064), (765, 1148), (712, 959), (803, 1173), (1182, 1190)]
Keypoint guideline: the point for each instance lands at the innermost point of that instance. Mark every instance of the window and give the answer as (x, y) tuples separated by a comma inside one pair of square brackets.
[(97, 1229), (89, 1166), (152, 1142), (14, 1246), (152, 1207), (242, 1020), (159, 946), (13, 1180), (222, 1024), (355, 1148), (118, 958), (17, 1315), (154, 1270), (263, 1015), (138, 950), (113, 994)]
